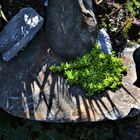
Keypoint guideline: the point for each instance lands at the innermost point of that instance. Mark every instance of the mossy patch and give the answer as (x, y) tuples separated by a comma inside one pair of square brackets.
[(94, 71)]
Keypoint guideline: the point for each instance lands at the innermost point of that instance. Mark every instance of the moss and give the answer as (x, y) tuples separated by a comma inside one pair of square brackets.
[(94, 71)]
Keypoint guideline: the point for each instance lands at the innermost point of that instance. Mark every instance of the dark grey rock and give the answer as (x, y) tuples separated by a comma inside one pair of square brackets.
[(70, 32), (19, 31)]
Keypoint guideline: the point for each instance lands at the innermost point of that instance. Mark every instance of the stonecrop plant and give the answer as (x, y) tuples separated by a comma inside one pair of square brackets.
[(94, 71)]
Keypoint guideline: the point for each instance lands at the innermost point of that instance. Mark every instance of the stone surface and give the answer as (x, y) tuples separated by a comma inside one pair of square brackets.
[(70, 32), (29, 90), (19, 31), (104, 42)]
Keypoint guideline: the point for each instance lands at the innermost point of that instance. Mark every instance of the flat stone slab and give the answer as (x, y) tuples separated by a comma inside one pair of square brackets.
[(29, 90), (19, 31)]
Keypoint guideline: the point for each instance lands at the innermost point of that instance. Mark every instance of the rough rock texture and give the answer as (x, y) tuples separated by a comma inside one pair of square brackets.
[(19, 31), (29, 90), (70, 32), (104, 41)]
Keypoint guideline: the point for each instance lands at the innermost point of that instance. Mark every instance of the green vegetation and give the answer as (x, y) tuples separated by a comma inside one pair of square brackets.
[(120, 21), (12, 128), (127, 27), (133, 7), (95, 71)]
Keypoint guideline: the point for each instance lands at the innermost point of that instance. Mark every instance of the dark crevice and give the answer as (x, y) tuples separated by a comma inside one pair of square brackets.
[(136, 57)]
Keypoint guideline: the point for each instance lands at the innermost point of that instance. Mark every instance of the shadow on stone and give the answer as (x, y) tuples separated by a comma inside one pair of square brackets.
[(129, 93)]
